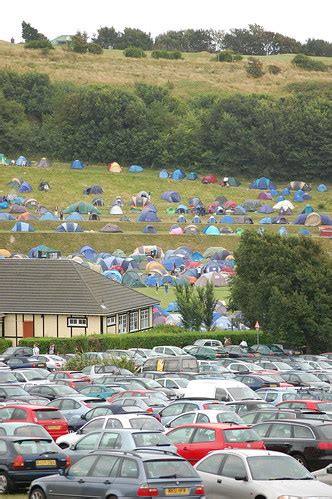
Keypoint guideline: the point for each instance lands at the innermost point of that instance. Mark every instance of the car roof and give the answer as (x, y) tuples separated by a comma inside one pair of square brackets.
[(248, 452), (144, 454), (311, 401), (308, 422), (32, 407), (12, 438), (124, 430), (214, 426)]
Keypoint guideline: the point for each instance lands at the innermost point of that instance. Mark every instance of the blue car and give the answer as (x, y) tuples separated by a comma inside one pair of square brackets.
[(257, 381), (101, 391)]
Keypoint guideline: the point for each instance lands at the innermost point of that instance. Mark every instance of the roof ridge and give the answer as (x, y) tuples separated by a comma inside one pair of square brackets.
[(77, 266)]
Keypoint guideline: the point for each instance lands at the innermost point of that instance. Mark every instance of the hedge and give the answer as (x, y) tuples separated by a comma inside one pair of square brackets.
[(162, 335), (4, 344)]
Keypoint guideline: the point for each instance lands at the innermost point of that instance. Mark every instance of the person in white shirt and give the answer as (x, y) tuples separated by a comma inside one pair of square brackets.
[(244, 344), (35, 350)]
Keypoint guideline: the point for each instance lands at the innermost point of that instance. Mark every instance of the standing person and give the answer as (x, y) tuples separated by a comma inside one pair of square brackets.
[(157, 286), (51, 350), (35, 350), (166, 287), (61, 215), (244, 344)]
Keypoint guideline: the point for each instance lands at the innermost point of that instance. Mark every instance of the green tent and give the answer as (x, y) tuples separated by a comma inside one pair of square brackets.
[(170, 211), (82, 207), (4, 160), (233, 182)]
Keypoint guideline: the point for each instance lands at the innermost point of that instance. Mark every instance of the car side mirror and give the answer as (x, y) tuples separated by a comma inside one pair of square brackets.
[(241, 478), (167, 425), (63, 472), (329, 470), (83, 416), (72, 447)]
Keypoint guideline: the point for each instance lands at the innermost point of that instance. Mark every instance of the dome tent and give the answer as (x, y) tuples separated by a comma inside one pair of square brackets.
[(148, 215), (322, 188), (77, 165), (265, 209), (114, 167), (44, 163), (211, 230), (135, 169), (94, 189), (25, 187), (191, 230), (178, 174), (22, 161), (4, 160), (44, 186), (22, 227), (192, 176), (74, 215), (116, 210), (307, 209), (171, 197), (233, 182), (68, 227), (209, 179), (49, 216), (163, 174), (111, 228), (182, 219), (313, 220), (149, 229), (267, 196), (297, 185), (263, 183), (98, 202), (82, 207), (6, 216), (265, 220)]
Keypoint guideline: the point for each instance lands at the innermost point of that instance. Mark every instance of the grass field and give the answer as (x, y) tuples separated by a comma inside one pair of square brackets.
[(67, 186), (195, 74)]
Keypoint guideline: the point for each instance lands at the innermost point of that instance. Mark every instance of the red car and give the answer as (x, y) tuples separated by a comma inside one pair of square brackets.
[(310, 405), (74, 379), (49, 417), (134, 394), (195, 441)]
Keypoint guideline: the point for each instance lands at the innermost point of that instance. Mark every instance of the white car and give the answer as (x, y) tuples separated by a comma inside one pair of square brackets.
[(247, 474), (208, 343), (205, 416), (31, 376), (134, 421), (177, 384), (324, 475), (52, 361), (169, 350)]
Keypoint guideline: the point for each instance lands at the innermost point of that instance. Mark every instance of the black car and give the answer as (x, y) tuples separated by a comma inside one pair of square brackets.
[(262, 415), (146, 384), (23, 459), (24, 363), (235, 352), (12, 391), (16, 352), (299, 378), (244, 406), (52, 391), (308, 441)]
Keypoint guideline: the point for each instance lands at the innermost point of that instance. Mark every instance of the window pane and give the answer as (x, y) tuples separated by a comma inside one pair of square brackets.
[(88, 443), (110, 440), (204, 435), (105, 466), (182, 435), (82, 467), (211, 464), (129, 469), (281, 431), (233, 466), (302, 432)]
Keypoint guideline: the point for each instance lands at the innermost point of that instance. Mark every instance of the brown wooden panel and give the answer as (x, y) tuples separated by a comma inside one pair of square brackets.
[(28, 329)]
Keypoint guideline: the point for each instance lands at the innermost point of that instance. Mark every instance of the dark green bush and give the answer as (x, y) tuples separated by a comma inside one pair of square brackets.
[(166, 54), (135, 52), (42, 43), (274, 70), (228, 55), (81, 361), (4, 344), (163, 335), (254, 68), (304, 62), (95, 48)]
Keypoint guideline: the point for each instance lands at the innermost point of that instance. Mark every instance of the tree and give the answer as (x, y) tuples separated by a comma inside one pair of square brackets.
[(29, 33), (189, 306), (132, 37), (107, 37), (79, 43), (317, 47), (285, 284), (254, 68), (208, 303)]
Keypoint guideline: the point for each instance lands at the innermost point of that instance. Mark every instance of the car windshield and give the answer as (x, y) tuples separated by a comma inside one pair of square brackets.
[(149, 423), (253, 367), (9, 351), (273, 378), (325, 406), (283, 366), (169, 468), (277, 468), (308, 377), (227, 417), (326, 430), (151, 383), (242, 393), (35, 447), (7, 378), (12, 391), (47, 414), (324, 365), (150, 439), (33, 375), (30, 431), (242, 435)]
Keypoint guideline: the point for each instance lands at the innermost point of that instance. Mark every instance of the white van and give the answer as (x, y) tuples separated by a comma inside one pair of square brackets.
[(225, 390)]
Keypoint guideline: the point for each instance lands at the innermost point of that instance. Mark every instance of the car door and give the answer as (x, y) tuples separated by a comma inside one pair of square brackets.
[(209, 471), (279, 437), (203, 440), (230, 488), (181, 438), (172, 411), (127, 477), (101, 477), (72, 485), (182, 420), (86, 444)]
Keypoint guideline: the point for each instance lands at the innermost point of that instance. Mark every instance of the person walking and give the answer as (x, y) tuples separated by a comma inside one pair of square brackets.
[(51, 350), (166, 287), (35, 350)]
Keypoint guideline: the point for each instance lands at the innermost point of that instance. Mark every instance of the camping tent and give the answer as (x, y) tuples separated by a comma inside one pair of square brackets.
[(211, 230), (77, 165), (148, 215), (116, 210), (114, 167), (176, 230), (135, 169), (192, 176), (182, 219), (68, 227), (88, 252), (262, 183), (26, 216), (171, 196), (227, 219), (49, 216), (284, 204), (313, 220), (74, 215), (111, 228), (265, 195), (191, 230), (22, 227), (297, 185), (233, 182), (209, 179), (322, 188), (82, 207), (6, 216), (25, 187), (98, 202), (266, 208), (22, 161), (44, 163), (15, 182), (215, 278), (44, 186), (94, 189), (178, 174), (265, 220), (42, 251), (15, 208), (163, 174), (149, 229), (4, 160)]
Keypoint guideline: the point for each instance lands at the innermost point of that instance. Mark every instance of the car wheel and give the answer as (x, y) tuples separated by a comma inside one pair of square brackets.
[(63, 445), (299, 458), (6, 485), (37, 493)]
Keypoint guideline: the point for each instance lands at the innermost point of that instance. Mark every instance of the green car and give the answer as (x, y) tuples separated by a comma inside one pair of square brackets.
[(100, 391), (205, 353)]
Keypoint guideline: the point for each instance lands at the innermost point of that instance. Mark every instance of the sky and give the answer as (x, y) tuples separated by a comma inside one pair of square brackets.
[(300, 19)]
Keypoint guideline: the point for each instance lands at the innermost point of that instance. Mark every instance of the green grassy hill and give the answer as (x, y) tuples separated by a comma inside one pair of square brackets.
[(197, 73), (67, 186)]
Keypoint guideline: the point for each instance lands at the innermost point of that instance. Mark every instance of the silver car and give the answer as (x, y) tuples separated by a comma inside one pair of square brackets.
[(245, 474)]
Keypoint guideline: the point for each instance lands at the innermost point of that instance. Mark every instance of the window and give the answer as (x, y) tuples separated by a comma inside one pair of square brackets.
[(270, 396), (204, 435), (280, 431), (123, 323), (77, 322), (211, 464), (145, 439), (129, 469), (93, 426), (3, 447), (145, 318), (19, 415), (133, 321), (110, 440), (47, 414), (111, 321), (105, 466), (181, 436), (262, 429), (303, 432), (181, 420), (83, 466), (158, 469), (69, 405), (113, 423), (89, 442), (233, 467), (173, 410)]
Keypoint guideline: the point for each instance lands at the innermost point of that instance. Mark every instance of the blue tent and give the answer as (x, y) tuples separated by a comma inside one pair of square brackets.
[(283, 231), (300, 220), (262, 183), (182, 208), (93, 189), (326, 220), (211, 230), (149, 229), (6, 216), (227, 219), (4, 205), (74, 216), (148, 215), (265, 220), (49, 216), (25, 187), (322, 188), (212, 220), (306, 197), (172, 307), (22, 227), (163, 174), (152, 280), (182, 219), (192, 176), (88, 252), (197, 257), (304, 232), (285, 191), (135, 169), (178, 174), (68, 227), (171, 196), (274, 192), (196, 220), (266, 208), (114, 275), (239, 210), (298, 196), (307, 209), (77, 164), (21, 161)]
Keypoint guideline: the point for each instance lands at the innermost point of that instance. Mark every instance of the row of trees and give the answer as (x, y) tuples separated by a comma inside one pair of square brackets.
[(254, 40), (239, 134)]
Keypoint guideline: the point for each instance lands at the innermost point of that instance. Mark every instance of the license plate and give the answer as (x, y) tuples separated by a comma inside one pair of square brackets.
[(46, 462), (54, 427), (41, 365), (177, 491), (273, 386)]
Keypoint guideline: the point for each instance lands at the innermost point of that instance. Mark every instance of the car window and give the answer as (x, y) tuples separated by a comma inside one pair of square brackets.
[(69, 405), (298, 405), (280, 430), (262, 429), (211, 464), (83, 466), (44, 415), (250, 418), (3, 447), (110, 440), (129, 469), (166, 467), (181, 435), (148, 423), (302, 432), (145, 439), (105, 466), (287, 405), (233, 466), (30, 431), (181, 420), (92, 426), (170, 384), (202, 418), (19, 414), (173, 410), (88, 442), (113, 423), (190, 407), (99, 411), (204, 435), (270, 396)]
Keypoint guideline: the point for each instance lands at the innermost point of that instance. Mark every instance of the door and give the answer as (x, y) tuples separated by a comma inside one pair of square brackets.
[(232, 467), (28, 331), (203, 441)]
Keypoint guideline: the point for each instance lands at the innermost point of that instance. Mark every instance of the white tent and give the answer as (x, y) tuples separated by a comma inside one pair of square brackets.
[(284, 205), (116, 210)]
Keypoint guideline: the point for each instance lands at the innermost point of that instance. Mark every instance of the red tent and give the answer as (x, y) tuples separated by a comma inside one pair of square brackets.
[(210, 179)]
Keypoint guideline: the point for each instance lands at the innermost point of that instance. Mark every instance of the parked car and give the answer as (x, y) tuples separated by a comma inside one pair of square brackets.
[(279, 394), (324, 376), (75, 375), (53, 391), (257, 381), (208, 343), (187, 405), (248, 474), (261, 415), (150, 405), (48, 417), (206, 353), (105, 474), (23, 459), (24, 363), (15, 352), (236, 351), (176, 384), (145, 353), (52, 362), (171, 363), (309, 441), (108, 409), (223, 390), (72, 408), (7, 377), (147, 384), (268, 350), (98, 370), (12, 391), (205, 416), (31, 376), (195, 441), (241, 366), (169, 350), (22, 429), (124, 439), (309, 405), (299, 378), (324, 475), (119, 421), (75, 384), (126, 354), (244, 406), (101, 391), (277, 365)]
